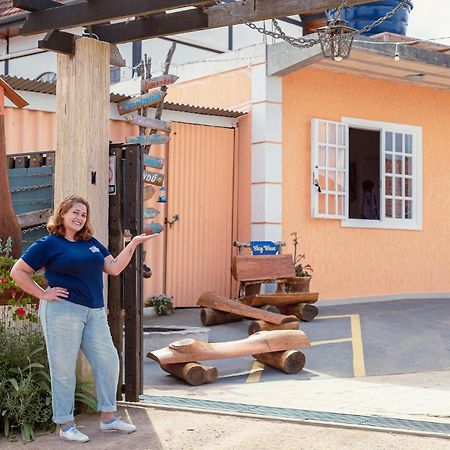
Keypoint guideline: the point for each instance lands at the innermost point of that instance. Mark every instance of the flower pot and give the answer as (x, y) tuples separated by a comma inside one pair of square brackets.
[(149, 312), (298, 284)]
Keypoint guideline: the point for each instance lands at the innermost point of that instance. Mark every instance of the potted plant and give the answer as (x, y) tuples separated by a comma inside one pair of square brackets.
[(299, 283), (162, 304)]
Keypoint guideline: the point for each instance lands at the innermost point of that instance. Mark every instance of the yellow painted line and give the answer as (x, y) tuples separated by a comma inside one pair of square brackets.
[(255, 372), (332, 317), (333, 341), (359, 367)]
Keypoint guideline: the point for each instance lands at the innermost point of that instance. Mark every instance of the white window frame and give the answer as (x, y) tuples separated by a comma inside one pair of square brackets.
[(316, 168), (392, 223)]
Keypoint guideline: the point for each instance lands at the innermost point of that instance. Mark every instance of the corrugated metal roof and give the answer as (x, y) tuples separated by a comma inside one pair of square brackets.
[(46, 87), (7, 8)]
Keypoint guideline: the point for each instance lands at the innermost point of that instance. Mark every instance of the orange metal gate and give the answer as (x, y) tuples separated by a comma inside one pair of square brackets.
[(200, 163)]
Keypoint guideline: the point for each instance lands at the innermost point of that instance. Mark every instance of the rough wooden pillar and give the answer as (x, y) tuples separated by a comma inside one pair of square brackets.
[(82, 120), (9, 226), (82, 139)]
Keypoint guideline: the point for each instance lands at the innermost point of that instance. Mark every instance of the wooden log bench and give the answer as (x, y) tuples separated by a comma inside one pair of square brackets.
[(252, 271), (277, 348), (219, 309)]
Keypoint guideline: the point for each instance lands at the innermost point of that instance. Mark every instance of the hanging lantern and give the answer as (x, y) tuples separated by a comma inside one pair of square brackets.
[(336, 39), (162, 195)]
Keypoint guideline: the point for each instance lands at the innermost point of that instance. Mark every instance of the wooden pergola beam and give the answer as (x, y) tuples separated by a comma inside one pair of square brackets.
[(59, 41), (213, 17), (36, 5), (98, 11)]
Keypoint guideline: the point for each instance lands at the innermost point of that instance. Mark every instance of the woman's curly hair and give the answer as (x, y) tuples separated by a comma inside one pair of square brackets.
[(55, 224)]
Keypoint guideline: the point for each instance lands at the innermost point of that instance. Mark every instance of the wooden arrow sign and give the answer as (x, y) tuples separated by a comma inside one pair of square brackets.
[(147, 122), (133, 104), (150, 213), (147, 139), (152, 228), (163, 80), (153, 178), (153, 161), (149, 192)]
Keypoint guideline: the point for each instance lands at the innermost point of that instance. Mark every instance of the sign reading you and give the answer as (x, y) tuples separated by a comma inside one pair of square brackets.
[(264, 248)]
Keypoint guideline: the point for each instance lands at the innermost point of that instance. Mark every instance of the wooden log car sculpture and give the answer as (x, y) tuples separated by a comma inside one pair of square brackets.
[(277, 348)]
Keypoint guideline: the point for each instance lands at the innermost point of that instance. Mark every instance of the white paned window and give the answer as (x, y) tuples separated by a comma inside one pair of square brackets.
[(367, 173), (329, 169)]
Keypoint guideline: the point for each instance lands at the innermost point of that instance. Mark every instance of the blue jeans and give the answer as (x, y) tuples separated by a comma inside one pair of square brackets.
[(67, 328)]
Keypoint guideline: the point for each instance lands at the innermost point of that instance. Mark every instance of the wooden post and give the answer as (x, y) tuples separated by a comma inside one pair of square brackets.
[(9, 225), (132, 275), (82, 123), (82, 136), (116, 244)]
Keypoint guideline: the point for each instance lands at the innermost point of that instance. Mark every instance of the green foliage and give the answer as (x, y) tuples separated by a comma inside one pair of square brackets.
[(25, 393), (23, 305), (25, 396), (301, 269), (162, 303)]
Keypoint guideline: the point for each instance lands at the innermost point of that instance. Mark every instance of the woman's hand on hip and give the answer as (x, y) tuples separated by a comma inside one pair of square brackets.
[(55, 294)]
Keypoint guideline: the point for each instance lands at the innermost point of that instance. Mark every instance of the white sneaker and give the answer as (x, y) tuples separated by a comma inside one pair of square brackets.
[(117, 425), (72, 434)]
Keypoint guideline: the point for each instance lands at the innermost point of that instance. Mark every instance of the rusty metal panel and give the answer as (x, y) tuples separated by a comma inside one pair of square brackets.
[(200, 164)]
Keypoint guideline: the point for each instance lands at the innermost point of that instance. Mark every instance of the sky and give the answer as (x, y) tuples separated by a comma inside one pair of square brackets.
[(430, 19)]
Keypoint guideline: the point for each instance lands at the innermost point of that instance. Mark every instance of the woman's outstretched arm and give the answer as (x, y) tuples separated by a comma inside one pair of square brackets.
[(114, 266)]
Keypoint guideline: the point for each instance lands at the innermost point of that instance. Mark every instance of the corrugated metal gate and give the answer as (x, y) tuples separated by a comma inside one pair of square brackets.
[(200, 189)]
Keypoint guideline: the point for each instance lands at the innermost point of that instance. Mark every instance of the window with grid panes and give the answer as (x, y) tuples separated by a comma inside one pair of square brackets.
[(367, 173)]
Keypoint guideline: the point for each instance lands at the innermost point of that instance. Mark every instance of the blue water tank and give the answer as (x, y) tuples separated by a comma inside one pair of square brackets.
[(360, 16)]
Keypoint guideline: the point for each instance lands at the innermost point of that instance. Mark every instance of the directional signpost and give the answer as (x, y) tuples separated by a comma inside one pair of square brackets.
[(153, 178), (149, 192), (163, 80), (150, 213), (152, 228), (133, 104), (148, 139), (147, 122), (153, 161)]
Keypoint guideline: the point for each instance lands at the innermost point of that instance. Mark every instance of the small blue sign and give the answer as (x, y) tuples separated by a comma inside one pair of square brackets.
[(264, 248)]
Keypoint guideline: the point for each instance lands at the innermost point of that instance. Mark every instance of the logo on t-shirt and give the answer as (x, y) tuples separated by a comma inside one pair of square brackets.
[(94, 249)]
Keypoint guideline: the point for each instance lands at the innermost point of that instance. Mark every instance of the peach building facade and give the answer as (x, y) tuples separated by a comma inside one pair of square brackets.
[(394, 135)]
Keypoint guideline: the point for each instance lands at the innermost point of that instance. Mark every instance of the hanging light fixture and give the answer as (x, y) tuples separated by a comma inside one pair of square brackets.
[(336, 39)]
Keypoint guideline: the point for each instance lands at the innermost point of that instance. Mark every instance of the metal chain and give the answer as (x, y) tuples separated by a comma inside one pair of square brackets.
[(337, 14), (31, 188), (306, 43), (28, 230)]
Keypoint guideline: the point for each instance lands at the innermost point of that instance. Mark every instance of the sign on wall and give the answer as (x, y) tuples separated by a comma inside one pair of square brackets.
[(264, 248), (112, 175)]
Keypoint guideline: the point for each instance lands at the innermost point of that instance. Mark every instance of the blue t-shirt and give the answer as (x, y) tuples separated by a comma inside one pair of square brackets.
[(76, 266)]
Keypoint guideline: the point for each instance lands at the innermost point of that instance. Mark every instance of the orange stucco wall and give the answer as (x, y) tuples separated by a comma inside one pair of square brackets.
[(231, 89), (353, 262), (31, 131)]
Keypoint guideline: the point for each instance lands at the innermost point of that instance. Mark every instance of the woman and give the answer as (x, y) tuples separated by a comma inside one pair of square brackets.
[(72, 311)]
